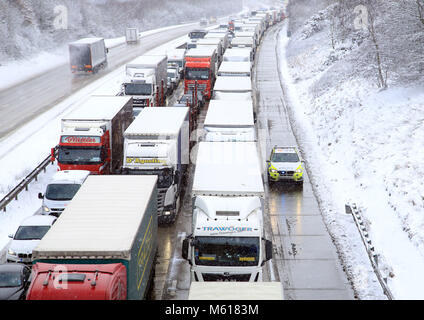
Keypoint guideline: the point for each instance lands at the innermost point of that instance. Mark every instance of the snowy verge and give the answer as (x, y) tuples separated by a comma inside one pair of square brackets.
[(340, 225), (365, 146)]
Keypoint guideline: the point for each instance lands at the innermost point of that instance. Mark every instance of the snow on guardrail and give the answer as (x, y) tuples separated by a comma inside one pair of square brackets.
[(356, 214)]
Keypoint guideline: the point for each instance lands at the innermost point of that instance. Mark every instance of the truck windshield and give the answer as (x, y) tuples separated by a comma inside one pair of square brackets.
[(226, 251), (81, 155), (165, 176), (31, 232), (61, 192), (138, 89), (197, 74), (79, 55), (285, 157)]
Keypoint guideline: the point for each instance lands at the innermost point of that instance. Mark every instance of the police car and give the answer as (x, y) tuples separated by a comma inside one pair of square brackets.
[(285, 164)]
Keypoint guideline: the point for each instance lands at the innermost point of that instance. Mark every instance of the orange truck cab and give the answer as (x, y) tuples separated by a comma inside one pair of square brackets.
[(200, 68)]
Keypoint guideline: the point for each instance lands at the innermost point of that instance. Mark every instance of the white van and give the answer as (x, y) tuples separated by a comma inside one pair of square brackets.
[(61, 189)]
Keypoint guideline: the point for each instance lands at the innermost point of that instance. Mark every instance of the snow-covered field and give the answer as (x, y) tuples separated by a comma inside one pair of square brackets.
[(363, 146)]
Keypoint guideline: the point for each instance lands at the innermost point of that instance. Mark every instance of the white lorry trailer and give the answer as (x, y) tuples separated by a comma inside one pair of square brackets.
[(228, 121), (235, 69), (221, 34), (243, 42), (87, 55), (131, 35), (227, 242), (230, 85), (239, 55), (236, 291), (157, 143), (214, 43), (146, 79), (177, 56)]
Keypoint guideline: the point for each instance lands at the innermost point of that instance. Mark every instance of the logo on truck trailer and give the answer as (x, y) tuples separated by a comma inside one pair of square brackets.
[(228, 229), (80, 139), (141, 160)]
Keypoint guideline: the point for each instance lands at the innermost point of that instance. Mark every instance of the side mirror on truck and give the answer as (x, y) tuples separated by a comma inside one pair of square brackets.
[(268, 250), (185, 249), (52, 154), (40, 195)]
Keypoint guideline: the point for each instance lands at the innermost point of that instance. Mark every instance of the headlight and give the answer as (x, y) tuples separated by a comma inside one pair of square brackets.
[(46, 209), (167, 213), (11, 252), (299, 170), (273, 171)]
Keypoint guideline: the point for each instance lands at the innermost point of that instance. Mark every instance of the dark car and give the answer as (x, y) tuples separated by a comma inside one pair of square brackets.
[(14, 281)]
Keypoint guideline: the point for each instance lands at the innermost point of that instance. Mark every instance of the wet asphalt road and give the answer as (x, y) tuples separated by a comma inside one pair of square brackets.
[(305, 256), (21, 103), (305, 259)]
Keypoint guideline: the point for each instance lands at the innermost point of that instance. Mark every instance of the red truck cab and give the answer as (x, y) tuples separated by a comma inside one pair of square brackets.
[(78, 282), (78, 152), (200, 68), (91, 135)]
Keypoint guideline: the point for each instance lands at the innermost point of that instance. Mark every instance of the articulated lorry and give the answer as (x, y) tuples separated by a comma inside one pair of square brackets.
[(227, 242), (200, 68), (236, 291), (146, 80), (230, 85), (157, 143), (230, 121), (91, 136), (235, 69), (177, 56), (103, 246), (215, 43), (87, 55), (131, 35)]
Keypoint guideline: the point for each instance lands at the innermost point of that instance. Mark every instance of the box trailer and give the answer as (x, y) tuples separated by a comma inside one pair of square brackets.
[(103, 246), (230, 121), (227, 242), (131, 35), (87, 55), (146, 80), (157, 143), (236, 291)]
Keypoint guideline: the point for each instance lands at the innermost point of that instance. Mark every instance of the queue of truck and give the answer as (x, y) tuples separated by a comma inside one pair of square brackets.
[(123, 173)]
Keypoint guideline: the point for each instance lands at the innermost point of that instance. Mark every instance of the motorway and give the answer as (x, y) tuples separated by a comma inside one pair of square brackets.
[(305, 258), (25, 101)]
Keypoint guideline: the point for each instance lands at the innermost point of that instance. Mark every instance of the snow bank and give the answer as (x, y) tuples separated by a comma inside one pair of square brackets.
[(364, 145)]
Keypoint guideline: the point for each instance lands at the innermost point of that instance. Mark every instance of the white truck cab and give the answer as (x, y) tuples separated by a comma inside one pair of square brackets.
[(227, 242), (61, 189)]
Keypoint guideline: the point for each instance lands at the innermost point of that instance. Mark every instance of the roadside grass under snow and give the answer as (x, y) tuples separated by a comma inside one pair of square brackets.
[(367, 148)]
